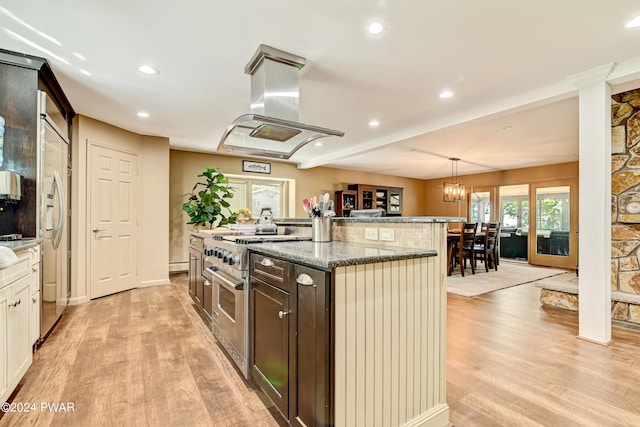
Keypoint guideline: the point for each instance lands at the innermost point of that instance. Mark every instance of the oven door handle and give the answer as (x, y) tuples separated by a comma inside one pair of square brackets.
[(228, 281)]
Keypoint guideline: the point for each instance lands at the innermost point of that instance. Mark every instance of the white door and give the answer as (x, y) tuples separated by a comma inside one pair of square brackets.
[(113, 221)]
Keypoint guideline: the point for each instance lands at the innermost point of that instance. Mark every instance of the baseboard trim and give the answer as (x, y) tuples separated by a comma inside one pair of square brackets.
[(175, 267), (79, 300), (148, 283), (437, 416)]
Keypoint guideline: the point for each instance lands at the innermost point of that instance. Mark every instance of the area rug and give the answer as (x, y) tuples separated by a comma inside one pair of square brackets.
[(510, 273)]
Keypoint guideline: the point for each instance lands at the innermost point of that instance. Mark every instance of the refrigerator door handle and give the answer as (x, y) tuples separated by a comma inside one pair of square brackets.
[(61, 214)]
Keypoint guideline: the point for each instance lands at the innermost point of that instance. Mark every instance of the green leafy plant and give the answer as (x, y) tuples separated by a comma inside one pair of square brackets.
[(207, 202)]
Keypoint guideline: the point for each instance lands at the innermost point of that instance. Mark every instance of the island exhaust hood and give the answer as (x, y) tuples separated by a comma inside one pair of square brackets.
[(272, 128)]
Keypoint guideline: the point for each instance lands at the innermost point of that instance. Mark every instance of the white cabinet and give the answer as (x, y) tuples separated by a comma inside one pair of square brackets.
[(34, 302), (16, 285), (19, 356)]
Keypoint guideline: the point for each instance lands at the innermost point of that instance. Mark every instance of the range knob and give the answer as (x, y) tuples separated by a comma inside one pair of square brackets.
[(233, 260), (221, 253)]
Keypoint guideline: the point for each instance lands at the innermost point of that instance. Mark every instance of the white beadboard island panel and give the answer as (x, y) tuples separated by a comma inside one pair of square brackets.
[(390, 341)]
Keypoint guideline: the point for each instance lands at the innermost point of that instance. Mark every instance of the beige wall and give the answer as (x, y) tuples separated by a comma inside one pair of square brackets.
[(153, 155), (186, 165), (433, 187)]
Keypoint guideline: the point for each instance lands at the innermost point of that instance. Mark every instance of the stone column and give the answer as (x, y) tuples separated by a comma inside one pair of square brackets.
[(595, 211)]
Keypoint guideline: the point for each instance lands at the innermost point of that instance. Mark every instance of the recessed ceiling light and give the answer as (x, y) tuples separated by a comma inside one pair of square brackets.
[(148, 69), (446, 94), (374, 123), (376, 28), (318, 144), (85, 72), (635, 22), (143, 114), (507, 127), (79, 56)]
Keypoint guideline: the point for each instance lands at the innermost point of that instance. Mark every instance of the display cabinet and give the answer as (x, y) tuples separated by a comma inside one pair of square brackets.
[(346, 201), (378, 197)]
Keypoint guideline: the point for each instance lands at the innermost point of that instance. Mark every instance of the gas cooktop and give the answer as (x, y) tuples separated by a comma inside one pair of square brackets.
[(247, 239)]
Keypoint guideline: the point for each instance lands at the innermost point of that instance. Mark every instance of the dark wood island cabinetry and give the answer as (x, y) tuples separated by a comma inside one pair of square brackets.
[(289, 338)]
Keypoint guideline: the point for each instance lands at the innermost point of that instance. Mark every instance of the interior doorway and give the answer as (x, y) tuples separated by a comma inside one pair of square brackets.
[(113, 220)]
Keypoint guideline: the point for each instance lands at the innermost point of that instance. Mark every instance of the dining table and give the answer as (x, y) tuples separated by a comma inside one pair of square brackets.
[(453, 237)]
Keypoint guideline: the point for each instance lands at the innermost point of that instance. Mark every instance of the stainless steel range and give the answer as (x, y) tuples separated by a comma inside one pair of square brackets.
[(226, 266)]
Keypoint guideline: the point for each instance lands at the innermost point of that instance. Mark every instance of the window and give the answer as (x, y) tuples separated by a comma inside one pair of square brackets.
[(256, 194), (481, 206), (514, 206)]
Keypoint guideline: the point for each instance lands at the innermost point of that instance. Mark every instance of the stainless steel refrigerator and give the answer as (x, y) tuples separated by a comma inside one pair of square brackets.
[(53, 185)]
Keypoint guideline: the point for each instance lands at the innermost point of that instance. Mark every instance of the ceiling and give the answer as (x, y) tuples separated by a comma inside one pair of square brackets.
[(513, 67)]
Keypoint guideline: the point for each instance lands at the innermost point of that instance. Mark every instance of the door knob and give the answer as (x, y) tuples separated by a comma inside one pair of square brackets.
[(283, 314)]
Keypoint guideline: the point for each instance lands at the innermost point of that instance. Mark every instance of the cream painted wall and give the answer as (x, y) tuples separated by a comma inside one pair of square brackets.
[(186, 165), (433, 187), (153, 155)]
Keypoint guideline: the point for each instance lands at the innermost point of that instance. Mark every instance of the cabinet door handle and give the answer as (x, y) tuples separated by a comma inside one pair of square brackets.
[(266, 262), (283, 314), (15, 304), (305, 279)]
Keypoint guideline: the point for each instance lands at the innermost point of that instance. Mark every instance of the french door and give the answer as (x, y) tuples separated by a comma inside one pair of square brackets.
[(553, 236)]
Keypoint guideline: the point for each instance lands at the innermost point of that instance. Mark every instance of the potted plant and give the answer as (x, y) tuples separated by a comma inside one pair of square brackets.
[(207, 202), (243, 215)]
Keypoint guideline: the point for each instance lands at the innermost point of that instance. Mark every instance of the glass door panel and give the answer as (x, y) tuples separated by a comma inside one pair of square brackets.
[(480, 206), (555, 242), (514, 221)]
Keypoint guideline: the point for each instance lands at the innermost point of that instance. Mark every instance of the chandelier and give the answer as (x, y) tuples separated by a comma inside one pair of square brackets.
[(453, 191)]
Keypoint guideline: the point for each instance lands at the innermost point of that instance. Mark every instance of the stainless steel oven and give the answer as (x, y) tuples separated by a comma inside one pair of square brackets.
[(227, 268), (229, 314)]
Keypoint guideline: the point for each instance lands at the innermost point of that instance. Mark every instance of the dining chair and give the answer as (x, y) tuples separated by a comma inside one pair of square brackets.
[(486, 251), (496, 250), (464, 249)]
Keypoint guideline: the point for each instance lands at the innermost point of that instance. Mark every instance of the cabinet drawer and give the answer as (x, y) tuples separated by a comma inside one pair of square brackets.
[(272, 270), (35, 255), (196, 243), (14, 272)]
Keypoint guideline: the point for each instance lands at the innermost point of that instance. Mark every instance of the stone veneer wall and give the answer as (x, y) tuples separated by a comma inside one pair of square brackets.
[(625, 214), (625, 202)]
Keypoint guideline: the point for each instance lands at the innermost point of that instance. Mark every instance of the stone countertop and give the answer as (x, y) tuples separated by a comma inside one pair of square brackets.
[(383, 219), (19, 245), (327, 255)]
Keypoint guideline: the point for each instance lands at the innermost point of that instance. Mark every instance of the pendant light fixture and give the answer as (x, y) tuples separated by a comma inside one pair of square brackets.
[(453, 191)]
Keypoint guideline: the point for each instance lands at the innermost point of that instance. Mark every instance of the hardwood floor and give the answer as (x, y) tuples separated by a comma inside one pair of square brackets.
[(138, 358), (512, 362), (144, 357)]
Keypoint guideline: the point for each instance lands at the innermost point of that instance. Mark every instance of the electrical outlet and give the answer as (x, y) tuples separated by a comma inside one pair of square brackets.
[(388, 234), (371, 233)]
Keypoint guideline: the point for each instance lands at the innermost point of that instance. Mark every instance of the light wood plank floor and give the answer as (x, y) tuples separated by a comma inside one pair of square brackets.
[(144, 357)]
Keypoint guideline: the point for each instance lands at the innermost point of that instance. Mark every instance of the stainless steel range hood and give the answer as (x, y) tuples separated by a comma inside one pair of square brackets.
[(272, 128)]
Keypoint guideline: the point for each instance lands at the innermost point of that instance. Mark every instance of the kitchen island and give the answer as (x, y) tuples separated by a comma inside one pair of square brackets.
[(366, 318)]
